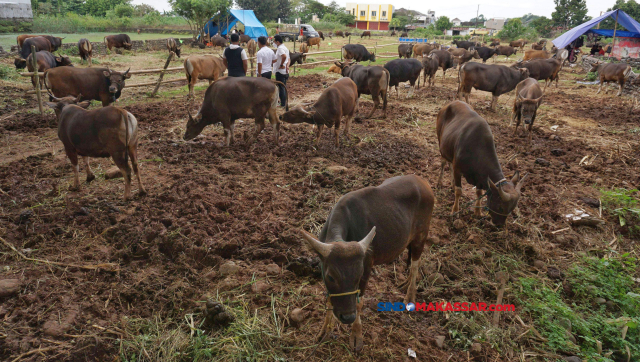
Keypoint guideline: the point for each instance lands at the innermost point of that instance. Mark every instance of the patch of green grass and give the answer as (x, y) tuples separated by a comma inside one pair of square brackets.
[(591, 76), (7, 72), (624, 204)]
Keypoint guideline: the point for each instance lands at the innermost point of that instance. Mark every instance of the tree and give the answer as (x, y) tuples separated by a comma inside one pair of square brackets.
[(512, 30), (198, 12), (570, 13), (340, 17), (100, 7), (481, 19), (123, 10), (284, 8), (528, 18), (264, 10), (443, 23), (630, 7), (543, 26), (143, 9)]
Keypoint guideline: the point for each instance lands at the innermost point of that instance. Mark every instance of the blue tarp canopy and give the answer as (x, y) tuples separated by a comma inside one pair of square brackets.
[(252, 26), (633, 28)]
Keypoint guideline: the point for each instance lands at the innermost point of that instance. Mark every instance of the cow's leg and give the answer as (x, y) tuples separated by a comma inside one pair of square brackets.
[(457, 185), (355, 338), (416, 247), (275, 123), (347, 125), (119, 160), (397, 95), (376, 103), (384, 94), (133, 154), (73, 158), (336, 132), (494, 101), (478, 205), (327, 325), (620, 87), (90, 175), (600, 87), (443, 162), (232, 129), (259, 128), (319, 130)]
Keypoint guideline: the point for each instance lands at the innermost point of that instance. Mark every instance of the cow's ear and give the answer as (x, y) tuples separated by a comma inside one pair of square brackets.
[(106, 73), (84, 104), (127, 76), (59, 59), (52, 105)]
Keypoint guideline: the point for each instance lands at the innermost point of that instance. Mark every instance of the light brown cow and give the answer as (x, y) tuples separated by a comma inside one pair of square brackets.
[(525, 107), (536, 54), (461, 56), (424, 49), (520, 43), (304, 48), (314, 41), (209, 67), (612, 72)]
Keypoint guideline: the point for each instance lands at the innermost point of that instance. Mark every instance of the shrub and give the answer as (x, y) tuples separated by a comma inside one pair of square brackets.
[(123, 10)]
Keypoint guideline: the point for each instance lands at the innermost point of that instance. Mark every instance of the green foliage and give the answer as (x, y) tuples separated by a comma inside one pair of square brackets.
[(5, 71), (514, 29), (340, 17), (630, 7), (123, 10), (570, 13), (100, 7), (198, 12), (144, 9), (443, 23), (267, 10), (591, 76), (528, 18), (624, 204), (428, 32), (542, 25), (481, 20), (10, 26)]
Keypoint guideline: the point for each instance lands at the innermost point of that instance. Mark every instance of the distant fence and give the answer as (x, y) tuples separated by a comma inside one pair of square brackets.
[(136, 45)]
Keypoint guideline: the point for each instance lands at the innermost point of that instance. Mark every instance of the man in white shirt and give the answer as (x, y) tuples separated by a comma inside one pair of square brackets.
[(264, 59), (235, 58), (282, 67)]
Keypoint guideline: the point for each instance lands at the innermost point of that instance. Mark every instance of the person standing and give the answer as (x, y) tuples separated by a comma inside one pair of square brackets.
[(282, 67), (235, 58), (264, 59)]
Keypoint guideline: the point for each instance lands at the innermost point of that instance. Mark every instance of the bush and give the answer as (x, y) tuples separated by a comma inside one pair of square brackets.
[(123, 10), (5, 71)]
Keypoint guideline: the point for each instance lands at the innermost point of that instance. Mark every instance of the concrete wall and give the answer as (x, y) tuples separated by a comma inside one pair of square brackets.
[(15, 9)]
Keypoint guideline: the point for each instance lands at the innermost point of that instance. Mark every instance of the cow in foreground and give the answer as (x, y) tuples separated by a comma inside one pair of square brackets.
[(100, 84), (358, 53), (337, 101), (405, 50), (85, 49), (542, 69), (525, 107), (232, 98), (365, 33), (172, 46), (40, 44), (404, 70), (118, 41), (210, 67), (373, 80), (104, 132), (467, 144), (314, 41), (497, 79), (368, 227), (612, 72), (45, 60), (430, 65)]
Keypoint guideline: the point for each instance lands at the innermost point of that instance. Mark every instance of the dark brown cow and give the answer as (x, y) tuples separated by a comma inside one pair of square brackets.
[(446, 61), (467, 144), (405, 50), (101, 84), (358, 53), (347, 33), (172, 46), (373, 80), (56, 42), (209, 67), (494, 42), (104, 132), (485, 53), (541, 45), (85, 49), (520, 43), (430, 65), (368, 227), (118, 41), (542, 69), (404, 34), (339, 33), (525, 107), (612, 72), (337, 101), (423, 49), (465, 44), (393, 33), (497, 79), (45, 60), (232, 98), (365, 33), (461, 56), (404, 70), (40, 44), (321, 35), (22, 37), (244, 39), (506, 50), (313, 41), (296, 57), (218, 41)]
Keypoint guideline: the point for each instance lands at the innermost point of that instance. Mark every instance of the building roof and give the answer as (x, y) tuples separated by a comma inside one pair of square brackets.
[(456, 19)]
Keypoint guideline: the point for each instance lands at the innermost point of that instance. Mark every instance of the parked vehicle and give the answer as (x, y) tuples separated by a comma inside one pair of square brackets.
[(292, 31)]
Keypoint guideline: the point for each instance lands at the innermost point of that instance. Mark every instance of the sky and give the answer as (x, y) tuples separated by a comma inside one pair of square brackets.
[(462, 9)]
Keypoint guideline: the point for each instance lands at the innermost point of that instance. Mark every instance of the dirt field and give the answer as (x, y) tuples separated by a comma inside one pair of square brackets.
[(208, 205)]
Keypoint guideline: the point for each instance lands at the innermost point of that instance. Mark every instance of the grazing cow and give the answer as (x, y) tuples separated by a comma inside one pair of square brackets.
[(506, 50), (85, 49), (494, 42), (536, 54), (446, 60), (393, 33), (403, 70), (321, 35), (56, 42), (528, 99), (612, 72), (497, 79), (209, 67), (465, 44), (373, 80), (404, 34), (172, 46), (405, 50), (430, 65), (337, 101), (347, 33), (304, 48), (467, 144), (422, 49), (244, 38), (138, 31), (104, 132), (368, 227), (22, 37), (299, 58), (485, 52), (313, 41), (218, 41), (118, 41), (100, 84), (542, 69), (541, 45), (358, 53), (365, 33), (461, 56), (46, 60), (339, 33), (40, 43), (520, 43), (231, 98)]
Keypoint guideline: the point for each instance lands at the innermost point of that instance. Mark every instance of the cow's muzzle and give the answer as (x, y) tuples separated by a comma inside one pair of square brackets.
[(527, 121), (347, 318)]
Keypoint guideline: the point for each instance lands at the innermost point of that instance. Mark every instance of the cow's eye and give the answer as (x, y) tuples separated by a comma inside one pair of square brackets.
[(330, 278)]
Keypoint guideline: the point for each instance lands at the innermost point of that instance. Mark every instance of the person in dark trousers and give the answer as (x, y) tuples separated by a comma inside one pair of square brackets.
[(281, 67), (264, 58), (235, 58)]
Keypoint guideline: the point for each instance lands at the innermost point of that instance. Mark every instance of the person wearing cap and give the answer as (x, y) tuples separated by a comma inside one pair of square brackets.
[(235, 58), (281, 67), (264, 59)]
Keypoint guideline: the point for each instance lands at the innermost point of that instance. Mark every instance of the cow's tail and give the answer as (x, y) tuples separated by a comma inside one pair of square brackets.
[(286, 93), (188, 68), (126, 121), (386, 92), (461, 76), (627, 72)]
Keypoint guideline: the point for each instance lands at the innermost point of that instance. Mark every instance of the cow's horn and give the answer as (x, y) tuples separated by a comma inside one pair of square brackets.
[(503, 195), (191, 118), (365, 243), (125, 73), (319, 247), (520, 182)]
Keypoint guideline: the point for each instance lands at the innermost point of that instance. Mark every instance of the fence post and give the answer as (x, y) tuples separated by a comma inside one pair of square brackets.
[(36, 78), (166, 65)]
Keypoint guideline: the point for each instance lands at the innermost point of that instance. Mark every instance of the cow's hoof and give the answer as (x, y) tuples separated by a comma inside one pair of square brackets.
[(142, 192), (74, 188), (91, 178), (355, 342)]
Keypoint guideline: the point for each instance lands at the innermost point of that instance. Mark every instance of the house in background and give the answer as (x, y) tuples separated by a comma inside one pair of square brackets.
[(456, 22), (371, 16), (495, 24), (15, 10)]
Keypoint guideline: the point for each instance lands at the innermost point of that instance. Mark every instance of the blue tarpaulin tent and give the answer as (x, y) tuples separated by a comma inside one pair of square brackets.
[(633, 28), (252, 26)]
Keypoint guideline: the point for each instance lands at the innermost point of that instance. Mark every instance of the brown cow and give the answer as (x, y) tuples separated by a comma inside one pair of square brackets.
[(528, 99), (467, 144), (321, 35), (520, 43), (40, 43), (461, 56), (497, 79), (118, 41), (209, 67), (494, 42), (539, 69), (101, 84), (405, 50), (314, 41), (337, 101), (422, 49), (347, 33), (404, 34), (45, 60), (430, 64), (446, 61), (541, 45), (56, 42), (172, 46), (368, 227), (335, 69), (339, 33), (231, 98), (218, 41), (304, 48), (506, 50), (251, 48), (104, 132), (296, 57), (365, 33), (85, 49), (612, 72), (138, 31), (373, 80), (536, 54), (244, 39)]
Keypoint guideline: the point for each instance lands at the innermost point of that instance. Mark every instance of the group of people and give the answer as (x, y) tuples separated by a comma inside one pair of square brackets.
[(235, 59)]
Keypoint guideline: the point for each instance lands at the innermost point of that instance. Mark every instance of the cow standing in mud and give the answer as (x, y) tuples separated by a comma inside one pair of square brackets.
[(612, 72), (373, 80), (430, 66), (404, 70), (525, 107), (45, 60), (446, 61), (497, 79), (39, 43), (101, 84), (85, 50)]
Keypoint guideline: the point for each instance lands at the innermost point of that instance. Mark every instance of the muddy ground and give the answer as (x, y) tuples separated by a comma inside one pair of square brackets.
[(208, 205)]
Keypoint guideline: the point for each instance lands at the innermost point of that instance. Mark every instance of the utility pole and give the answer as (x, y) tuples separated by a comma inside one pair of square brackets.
[(477, 12)]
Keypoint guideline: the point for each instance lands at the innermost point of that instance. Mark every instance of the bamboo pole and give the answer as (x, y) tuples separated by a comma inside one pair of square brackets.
[(166, 65), (36, 78), (146, 71), (613, 43), (154, 83)]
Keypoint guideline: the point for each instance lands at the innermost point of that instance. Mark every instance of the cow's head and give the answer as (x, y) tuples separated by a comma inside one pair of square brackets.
[(475, 54), (58, 104), (300, 114), (524, 73), (528, 107), (127, 46), (344, 67), (195, 125), (20, 63), (372, 57), (594, 66), (63, 61), (503, 198), (342, 267), (116, 81)]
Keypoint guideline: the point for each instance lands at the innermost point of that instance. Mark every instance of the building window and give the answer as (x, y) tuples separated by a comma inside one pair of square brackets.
[(354, 12), (373, 13), (363, 13), (384, 14)]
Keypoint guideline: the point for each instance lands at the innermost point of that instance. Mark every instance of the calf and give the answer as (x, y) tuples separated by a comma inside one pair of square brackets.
[(497, 79), (335, 69), (467, 144), (539, 69), (101, 84), (446, 60), (430, 65), (405, 50), (304, 48), (337, 101), (339, 33), (423, 49), (85, 49), (365, 33), (404, 34), (172, 46), (403, 70), (506, 50), (251, 48), (358, 53), (313, 41), (299, 58), (40, 44), (45, 60), (104, 132), (373, 80), (486, 53), (528, 99), (612, 72), (118, 41), (461, 56), (321, 35), (232, 98), (368, 227), (210, 67)]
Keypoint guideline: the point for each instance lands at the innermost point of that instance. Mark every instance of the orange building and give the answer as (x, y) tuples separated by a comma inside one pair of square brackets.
[(371, 16)]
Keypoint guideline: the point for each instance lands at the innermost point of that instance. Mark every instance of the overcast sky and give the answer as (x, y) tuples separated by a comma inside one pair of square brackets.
[(463, 9)]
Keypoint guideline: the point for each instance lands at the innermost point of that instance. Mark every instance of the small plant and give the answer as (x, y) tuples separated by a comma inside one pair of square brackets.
[(624, 204), (5, 71), (591, 76)]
